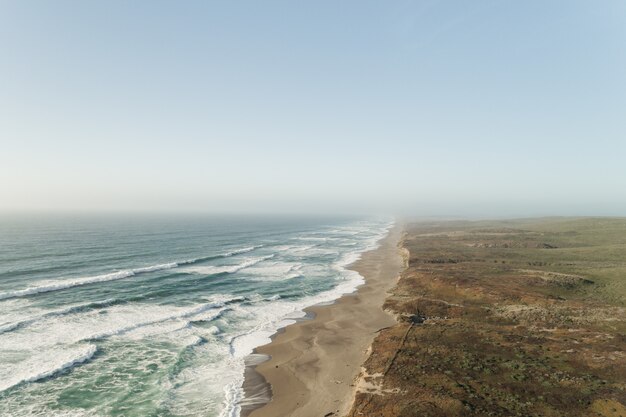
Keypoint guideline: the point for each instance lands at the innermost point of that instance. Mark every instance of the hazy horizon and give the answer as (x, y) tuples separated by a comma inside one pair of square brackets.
[(427, 108)]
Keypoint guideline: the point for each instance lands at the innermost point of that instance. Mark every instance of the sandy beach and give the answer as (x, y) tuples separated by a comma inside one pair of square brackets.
[(314, 363)]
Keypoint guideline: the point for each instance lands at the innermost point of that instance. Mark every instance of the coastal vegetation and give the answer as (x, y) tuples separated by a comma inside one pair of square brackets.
[(504, 318)]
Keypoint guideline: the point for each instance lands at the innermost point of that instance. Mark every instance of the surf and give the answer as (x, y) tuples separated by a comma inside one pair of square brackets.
[(63, 284)]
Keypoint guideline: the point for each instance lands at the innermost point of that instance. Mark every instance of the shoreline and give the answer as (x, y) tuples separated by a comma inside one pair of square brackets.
[(311, 366)]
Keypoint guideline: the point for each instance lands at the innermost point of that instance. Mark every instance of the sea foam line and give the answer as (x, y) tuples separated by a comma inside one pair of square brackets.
[(49, 286), (225, 269), (71, 283), (224, 255), (233, 392), (65, 360), (218, 307), (7, 327)]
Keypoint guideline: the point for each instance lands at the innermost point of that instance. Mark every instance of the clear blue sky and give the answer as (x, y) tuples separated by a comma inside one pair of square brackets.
[(420, 107)]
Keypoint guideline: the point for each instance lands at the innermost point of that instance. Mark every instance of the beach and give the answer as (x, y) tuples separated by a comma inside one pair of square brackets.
[(314, 363)]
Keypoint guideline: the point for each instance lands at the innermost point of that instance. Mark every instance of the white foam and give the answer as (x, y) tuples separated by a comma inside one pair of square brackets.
[(294, 250), (213, 330), (242, 250), (224, 269), (204, 387), (62, 284), (135, 321), (24, 321), (271, 317), (215, 372), (154, 268), (233, 394), (182, 314), (48, 286), (44, 365), (349, 231), (275, 271), (14, 406), (314, 238)]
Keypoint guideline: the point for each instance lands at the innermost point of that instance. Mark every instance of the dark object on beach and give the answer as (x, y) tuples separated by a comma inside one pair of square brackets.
[(546, 246), (417, 319)]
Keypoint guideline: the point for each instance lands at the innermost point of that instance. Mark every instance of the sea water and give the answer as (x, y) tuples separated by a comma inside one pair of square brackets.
[(154, 316)]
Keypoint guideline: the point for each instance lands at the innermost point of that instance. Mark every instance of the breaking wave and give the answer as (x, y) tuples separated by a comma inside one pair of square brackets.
[(225, 269), (49, 286), (39, 369)]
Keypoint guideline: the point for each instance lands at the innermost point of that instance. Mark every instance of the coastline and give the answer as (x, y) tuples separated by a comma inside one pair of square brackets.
[(314, 363)]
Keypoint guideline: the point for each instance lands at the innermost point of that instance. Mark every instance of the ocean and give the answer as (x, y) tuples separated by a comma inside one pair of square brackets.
[(154, 315)]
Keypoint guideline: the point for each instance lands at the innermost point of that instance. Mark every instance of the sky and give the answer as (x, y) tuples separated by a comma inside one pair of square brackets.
[(424, 107)]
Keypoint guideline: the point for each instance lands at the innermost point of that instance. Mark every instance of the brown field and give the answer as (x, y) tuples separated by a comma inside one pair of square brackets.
[(504, 318)]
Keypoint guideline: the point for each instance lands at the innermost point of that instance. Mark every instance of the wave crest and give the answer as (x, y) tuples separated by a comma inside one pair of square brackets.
[(225, 269), (49, 286), (40, 368)]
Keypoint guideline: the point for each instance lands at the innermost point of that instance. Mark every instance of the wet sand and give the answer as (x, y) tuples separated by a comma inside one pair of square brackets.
[(314, 363)]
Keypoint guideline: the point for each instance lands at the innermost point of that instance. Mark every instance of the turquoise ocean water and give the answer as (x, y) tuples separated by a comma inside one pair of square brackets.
[(112, 316)]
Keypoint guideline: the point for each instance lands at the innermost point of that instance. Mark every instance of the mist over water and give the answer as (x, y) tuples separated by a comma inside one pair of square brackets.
[(110, 316)]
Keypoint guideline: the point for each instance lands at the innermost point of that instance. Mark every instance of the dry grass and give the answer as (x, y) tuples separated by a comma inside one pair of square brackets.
[(520, 318)]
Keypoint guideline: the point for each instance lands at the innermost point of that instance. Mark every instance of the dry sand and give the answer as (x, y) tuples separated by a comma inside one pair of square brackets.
[(314, 363)]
